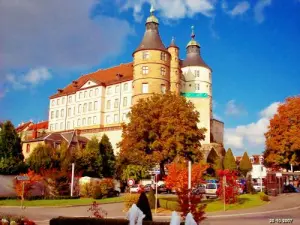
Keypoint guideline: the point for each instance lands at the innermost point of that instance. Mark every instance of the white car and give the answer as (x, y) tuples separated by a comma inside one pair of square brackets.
[(211, 190), (135, 188), (257, 187)]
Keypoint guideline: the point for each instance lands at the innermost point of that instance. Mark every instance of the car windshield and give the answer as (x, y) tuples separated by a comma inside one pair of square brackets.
[(211, 186)]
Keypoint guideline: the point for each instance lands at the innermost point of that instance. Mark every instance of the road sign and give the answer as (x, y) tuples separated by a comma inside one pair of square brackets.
[(130, 182), (278, 174), (22, 178)]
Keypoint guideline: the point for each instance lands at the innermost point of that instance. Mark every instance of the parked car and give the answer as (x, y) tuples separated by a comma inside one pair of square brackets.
[(163, 189), (257, 187), (200, 189), (136, 188), (147, 187), (113, 193), (211, 190)]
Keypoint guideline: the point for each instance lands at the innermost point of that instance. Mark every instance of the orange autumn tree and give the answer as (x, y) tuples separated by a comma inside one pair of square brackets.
[(28, 185), (282, 137), (178, 179)]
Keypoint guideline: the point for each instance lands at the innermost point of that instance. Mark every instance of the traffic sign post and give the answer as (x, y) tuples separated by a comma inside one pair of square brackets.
[(22, 179), (130, 183), (224, 192)]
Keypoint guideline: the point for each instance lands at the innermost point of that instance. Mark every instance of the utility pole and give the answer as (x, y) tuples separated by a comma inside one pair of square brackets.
[(72, 179)]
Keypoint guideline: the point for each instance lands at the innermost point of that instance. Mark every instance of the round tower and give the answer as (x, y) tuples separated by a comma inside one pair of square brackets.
[(198, 85), (175, 70), (151, 63)]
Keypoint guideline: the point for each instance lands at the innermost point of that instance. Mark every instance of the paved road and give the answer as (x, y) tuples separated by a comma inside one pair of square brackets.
[(277, 209)]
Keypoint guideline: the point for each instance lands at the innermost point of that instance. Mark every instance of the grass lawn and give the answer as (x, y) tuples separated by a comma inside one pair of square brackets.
[(213, 205), (61, 202)]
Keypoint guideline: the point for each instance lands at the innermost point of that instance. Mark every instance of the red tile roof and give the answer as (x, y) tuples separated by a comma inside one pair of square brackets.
[(101, 78), (38, 126), (23, 126)]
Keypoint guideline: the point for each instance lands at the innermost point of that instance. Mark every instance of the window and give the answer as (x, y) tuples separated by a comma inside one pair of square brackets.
[(197, 87), (61, 125), (116, 104), (52, 114), (84, 107), (163, 56), (125, 101), (27, 148), (163, 71), (56, 125), (68, 125), (78, 122), (57, 114), (79, 108), (80, 95), (146, 55), (163, 88), (108, 104), (83, 121), (51, 127), (107, 119), (91, 93), (62, 112), (96, 105), (117, 89), (109, 90), (145, 88), (94, 120), (89, 120), (124, 116), (116, 118), (58, 101), (90, 106), (197, 73), (70, 99), (74, 111), (53, 102), (63, 100), (126, 87), (145, 70)]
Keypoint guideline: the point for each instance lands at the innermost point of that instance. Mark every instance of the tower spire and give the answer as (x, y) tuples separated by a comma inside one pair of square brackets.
[(193, 33), (152, 9)]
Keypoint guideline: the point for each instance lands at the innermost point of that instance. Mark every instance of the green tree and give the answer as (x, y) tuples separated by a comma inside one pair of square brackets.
[(229, 161), (215, 162), (245, 164), (108, 157), (160, 128), (135, 172), (42, 157), (11, 156), (88, 160)]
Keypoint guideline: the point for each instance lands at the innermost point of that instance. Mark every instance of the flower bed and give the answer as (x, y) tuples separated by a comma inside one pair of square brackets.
[(15, 220)]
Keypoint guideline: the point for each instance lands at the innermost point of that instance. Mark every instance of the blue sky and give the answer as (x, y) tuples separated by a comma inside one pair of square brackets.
[(252, 46)]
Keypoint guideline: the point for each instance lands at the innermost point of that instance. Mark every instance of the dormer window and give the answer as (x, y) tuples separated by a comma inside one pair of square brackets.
[(163, 56), (252, 159), (146, 55)]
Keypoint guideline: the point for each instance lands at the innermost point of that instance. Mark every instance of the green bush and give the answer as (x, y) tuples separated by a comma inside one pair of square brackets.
[(130, 199), (51, 197), (86, 190), (169, 204), (96, 221), (151, 199), (264, 197), (97, 192)]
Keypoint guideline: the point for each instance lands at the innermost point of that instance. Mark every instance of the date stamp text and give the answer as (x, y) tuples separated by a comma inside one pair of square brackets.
[(281, 220)]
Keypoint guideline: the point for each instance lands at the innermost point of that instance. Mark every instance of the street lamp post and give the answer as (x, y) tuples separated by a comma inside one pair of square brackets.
[(261, 160)]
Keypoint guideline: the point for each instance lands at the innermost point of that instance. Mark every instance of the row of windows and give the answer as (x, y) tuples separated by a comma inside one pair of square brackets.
[(116, 118), (116, 103), (117, 88), (145, 70), (70, 125), (145, 88), (87, 121), (146, 55), (90, 93)]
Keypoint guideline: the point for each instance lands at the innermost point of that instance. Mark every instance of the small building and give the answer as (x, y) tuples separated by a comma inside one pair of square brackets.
[(22, 129), (54, 140)]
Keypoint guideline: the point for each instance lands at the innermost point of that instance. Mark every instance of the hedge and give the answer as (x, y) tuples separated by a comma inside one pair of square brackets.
[(264, 197), (96, 221), (30, 198), (172, 205)]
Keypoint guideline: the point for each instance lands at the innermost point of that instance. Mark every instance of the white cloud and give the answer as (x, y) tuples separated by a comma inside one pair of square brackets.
[(250, 135), (239, 9), (259, 8), (173, 9), (233, 109), (31, 79), (58, 34)]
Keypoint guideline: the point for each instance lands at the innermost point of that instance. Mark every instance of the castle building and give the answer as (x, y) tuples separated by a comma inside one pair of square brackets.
[(99, 102)]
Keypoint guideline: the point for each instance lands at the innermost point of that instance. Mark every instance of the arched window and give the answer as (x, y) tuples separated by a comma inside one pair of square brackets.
[(28, 148)]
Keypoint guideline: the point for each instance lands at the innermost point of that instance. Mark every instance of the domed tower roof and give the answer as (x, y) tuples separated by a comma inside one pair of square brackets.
[(193, 56), (173, 43), (151, 39)]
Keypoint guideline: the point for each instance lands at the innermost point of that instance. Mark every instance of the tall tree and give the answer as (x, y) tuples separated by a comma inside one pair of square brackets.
[(229, 161), (245, 164), (11, 156), (160, 128), (282, 137), (108, 157), (42, 157), (215, 161), (89, 160)]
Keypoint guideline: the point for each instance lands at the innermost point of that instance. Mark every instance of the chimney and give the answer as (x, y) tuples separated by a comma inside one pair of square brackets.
[(34, 133), (75, 82), (60, 90)]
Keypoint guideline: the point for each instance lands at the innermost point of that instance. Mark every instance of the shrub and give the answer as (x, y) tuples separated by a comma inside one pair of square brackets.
[(264, 197), (169, 204), (151, 199), (143, 205), (97, 221), (18, 220), (249, 186), (86, 190), (130, 199), (97, 192)]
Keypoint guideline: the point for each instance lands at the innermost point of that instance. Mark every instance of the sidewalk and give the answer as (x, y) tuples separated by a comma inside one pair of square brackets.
[(281, 202)]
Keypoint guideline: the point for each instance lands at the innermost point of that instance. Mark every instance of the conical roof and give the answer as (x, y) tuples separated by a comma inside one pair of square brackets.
[(193, 56), (173, 43), (151, 39)]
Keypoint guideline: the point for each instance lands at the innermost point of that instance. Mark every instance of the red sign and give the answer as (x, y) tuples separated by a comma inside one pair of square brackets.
[(130, 182)]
